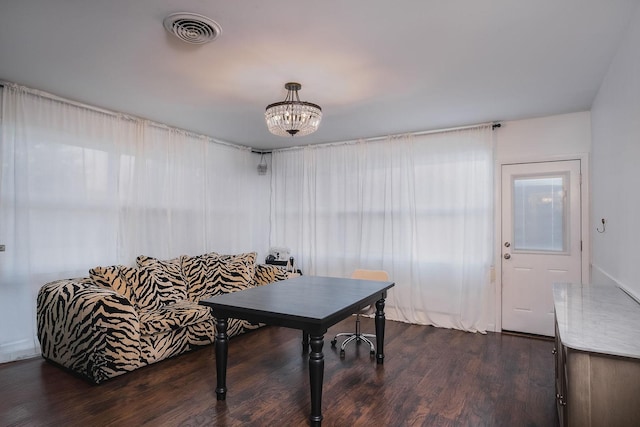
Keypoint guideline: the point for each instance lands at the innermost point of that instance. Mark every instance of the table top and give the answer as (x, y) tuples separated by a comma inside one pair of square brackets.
[(311, 303), (597, 319)]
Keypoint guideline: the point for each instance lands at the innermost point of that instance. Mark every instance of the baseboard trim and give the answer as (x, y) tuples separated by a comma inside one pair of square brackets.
[(527, 335)]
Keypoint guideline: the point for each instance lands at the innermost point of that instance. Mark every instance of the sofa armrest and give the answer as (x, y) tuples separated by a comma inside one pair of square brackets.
[(91, 330)]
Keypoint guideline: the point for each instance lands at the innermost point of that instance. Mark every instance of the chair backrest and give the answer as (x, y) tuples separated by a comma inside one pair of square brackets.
[(379, 275)]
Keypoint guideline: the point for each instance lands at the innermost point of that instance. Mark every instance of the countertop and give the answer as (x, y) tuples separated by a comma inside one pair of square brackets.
[(598, 319)]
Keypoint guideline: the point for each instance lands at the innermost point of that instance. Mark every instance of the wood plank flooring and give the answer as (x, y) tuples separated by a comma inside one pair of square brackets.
[(431, 377)]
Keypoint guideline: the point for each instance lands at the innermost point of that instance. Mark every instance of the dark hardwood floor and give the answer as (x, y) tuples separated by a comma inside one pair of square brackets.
[(431, 377)]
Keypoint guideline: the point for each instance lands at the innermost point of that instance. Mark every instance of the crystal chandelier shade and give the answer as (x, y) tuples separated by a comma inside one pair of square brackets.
[(293, 117)]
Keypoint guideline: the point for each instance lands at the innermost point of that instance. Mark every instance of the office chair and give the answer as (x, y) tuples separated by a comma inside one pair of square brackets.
[(358, 336)]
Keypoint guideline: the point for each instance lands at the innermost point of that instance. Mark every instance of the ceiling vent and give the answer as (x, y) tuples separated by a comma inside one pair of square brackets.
[(192, 28)]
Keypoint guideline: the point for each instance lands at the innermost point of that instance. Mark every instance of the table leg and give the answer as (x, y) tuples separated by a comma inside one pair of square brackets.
[(222, 349), (316, 375), (379, 331), (305, 342)]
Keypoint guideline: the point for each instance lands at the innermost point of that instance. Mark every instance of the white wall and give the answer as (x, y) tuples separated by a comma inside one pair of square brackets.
[(544, 138), (556, 137), (616, 167)]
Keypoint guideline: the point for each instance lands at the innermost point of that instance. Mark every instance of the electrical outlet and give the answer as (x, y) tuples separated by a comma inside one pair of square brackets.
[(2, 248)]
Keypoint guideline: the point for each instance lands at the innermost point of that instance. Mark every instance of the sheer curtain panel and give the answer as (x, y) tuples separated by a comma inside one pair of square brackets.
[(419, 207), (81, 187)]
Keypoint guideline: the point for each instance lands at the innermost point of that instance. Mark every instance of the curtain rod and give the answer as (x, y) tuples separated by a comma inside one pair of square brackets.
[(125, 116), (493, 125)]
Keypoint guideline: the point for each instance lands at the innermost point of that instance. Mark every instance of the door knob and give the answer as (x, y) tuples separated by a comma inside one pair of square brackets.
[(507, 256)]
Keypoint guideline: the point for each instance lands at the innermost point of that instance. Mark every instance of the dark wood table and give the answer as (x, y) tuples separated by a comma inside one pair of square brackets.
[(309, 303)]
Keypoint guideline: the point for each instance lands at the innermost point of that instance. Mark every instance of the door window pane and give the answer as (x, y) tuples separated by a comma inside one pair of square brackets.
[(539, 217)]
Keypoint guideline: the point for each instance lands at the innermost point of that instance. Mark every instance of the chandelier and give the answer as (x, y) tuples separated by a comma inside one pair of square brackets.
[(293, 117)]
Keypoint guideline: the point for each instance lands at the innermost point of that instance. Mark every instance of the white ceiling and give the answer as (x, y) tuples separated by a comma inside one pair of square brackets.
[(377, 67)]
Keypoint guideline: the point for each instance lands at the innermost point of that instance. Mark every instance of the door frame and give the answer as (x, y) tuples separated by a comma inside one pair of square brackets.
[(585, 209)]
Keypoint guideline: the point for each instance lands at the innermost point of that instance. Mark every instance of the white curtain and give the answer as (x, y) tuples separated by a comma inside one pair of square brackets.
[(81, 187), (419, 207)]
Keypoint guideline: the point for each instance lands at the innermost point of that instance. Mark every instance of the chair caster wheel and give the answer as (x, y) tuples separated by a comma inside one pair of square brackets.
[(333, 343), (372, 353), (342, 354)]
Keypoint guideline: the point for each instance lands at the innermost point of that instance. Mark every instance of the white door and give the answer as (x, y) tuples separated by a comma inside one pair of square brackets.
[(541, 241)]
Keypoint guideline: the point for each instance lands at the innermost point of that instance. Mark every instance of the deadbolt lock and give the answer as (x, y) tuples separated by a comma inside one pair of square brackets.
[(507, 244)]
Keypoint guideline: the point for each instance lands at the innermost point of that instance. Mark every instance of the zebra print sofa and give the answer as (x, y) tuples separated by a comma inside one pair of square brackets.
[(122, 318)]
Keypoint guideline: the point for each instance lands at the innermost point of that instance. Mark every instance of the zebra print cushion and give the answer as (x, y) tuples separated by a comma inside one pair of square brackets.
[(268, 273), (199, 277), (114, 278), (232, 273), (159, 346), (172, 316), (148, 287), (160, 282), (211, 274), (248, 257)]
